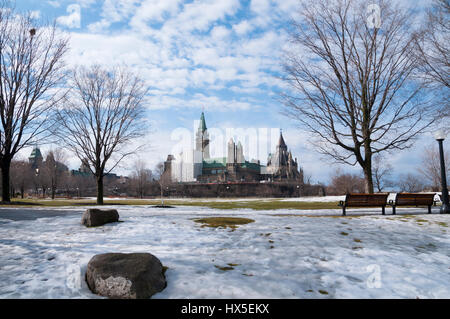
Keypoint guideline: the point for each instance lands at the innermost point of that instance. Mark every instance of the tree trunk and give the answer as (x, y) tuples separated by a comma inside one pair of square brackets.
[(5, 166), (368, 179), (100, 189)]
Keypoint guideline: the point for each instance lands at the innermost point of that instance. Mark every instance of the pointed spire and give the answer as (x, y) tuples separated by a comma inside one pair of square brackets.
[(202, 126), (281, 139)]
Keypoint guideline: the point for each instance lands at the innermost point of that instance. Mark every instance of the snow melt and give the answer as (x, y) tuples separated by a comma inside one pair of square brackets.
[(283, 254)]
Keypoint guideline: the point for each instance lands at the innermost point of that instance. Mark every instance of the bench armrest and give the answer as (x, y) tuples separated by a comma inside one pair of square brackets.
[(341, 203), (391, 202)]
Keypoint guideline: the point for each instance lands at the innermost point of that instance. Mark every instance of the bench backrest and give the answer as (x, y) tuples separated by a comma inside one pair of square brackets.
[(378, 199), (414, 199)]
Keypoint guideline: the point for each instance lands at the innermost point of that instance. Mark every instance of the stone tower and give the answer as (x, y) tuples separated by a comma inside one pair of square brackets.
[(239, 153), (231, 158), (281, 164), (202, 138), (35, 158)]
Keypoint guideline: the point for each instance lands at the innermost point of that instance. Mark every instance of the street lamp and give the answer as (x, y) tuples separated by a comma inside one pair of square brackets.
[(445, 208)]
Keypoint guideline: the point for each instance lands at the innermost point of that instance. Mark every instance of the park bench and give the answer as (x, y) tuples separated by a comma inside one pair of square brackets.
[(413, 199), (364, 200)]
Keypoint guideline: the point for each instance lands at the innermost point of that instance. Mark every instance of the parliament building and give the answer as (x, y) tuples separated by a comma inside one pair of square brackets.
[(197, 165)]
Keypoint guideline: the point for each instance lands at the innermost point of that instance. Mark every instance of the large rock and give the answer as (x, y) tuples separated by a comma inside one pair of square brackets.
[(125, 276), (97, 217)]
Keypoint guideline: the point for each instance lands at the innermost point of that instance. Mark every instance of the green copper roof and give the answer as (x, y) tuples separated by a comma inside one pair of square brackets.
[(253, 166), (202, 126), (36, 153), (220, 162)]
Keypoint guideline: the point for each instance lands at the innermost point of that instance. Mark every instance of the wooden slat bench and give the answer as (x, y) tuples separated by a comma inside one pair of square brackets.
[(413, 199), (364, 200)]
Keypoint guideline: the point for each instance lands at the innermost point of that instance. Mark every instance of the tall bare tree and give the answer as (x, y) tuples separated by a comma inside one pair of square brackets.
[(104, 112), (433, 48), (31, 69), (351, 69)]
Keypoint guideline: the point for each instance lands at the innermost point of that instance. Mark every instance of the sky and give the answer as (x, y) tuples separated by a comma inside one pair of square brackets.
[(220, 57)]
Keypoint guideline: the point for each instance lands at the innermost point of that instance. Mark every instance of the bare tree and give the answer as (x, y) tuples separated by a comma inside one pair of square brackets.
[(433, 49), (30, 72), (430, 167), (21, 175), (343, 183), (433, 52), (411, 183), (353, 82), (382, 173), (164, 179), (54, 169), (104, 112), (141, 178)]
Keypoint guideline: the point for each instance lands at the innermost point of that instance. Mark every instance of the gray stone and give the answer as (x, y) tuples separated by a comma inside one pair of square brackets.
[(97, 217), (125, 276)]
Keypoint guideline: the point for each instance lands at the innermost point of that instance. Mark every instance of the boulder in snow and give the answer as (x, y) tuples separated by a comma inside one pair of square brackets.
[(125, 276), (97, 217)]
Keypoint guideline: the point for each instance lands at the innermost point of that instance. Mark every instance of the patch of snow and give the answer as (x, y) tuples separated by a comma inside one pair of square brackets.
[(283, 254)]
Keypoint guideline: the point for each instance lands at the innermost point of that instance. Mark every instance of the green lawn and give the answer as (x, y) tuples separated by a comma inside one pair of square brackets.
[(263, 204)]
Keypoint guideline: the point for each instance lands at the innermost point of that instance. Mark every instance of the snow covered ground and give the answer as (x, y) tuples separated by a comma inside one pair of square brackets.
[(283, 254)]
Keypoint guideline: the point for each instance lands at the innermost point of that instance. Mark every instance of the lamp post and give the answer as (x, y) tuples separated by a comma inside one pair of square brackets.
[(445, 208)]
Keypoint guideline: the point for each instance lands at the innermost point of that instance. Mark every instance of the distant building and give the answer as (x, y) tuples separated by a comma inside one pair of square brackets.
[(84, 171), (35, 159), (196, 165)]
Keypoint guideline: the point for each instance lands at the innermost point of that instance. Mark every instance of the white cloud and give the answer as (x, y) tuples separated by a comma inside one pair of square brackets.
[(114, 11), (86, 3), (220, 33), (154, 10), (99, 26), (73, 20), (35, 14), (260, 7), (243, 27), (54, 4)]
